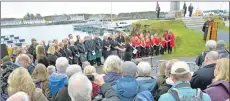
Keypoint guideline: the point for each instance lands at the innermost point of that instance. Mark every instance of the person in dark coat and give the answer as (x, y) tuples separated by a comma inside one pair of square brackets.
[(98, 49), (51, 55), (158, 9), (57, 49), (74, 51), (121, 41), (69, 54), (219, 89), (205, 28), (114, 45), (90, 49), (190, 9), (62, 50), (185, 9), (106, 47), (32, 47), (128, 50), (82, 51), (220, 48), (78, 39), (204, 76)]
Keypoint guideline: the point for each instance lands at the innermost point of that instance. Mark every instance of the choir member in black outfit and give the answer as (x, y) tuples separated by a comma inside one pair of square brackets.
[(128, 50), (74, 51), (106, 47), (114, 45), (82, 51), (51, 55), (57, 51), (99, 46), (69, 54), (90, 49), (121, 41), (62, 51)]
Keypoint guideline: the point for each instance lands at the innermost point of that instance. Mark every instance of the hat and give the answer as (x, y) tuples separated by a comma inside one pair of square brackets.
[(180, 68), (129, 68)]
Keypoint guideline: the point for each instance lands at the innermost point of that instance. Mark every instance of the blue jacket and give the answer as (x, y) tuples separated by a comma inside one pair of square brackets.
[(111, 78), (148, 84), (188, 91), (57, 81), (126, 88), (31, 68)]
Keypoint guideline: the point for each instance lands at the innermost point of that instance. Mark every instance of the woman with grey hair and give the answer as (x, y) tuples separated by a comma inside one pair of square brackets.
[(211, 45), (112, 69), (220, 48), (144, 78)]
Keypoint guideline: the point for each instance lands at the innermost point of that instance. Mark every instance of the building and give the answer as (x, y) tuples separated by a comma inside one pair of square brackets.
[(76, 17), (38, 21), (11, 22)]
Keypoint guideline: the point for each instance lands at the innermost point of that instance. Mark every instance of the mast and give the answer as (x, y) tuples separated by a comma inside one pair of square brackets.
[(111, 12)]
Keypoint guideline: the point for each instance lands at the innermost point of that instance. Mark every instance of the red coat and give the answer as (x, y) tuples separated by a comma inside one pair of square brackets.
[(166, 36), (95, 89), (157, 40), (137, 43), (172, 41), (143, 44)]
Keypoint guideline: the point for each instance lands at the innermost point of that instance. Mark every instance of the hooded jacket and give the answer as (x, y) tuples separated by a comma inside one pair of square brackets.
[(111, 78), (218, 91), (126, 88), (167, 84), (43, 84), (223, 53), (147, 83)]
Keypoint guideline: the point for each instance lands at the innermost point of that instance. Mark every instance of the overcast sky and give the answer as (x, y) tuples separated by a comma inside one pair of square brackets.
[(19, 9)]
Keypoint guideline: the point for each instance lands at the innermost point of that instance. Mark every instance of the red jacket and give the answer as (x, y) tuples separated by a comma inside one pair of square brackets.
[(152, 41), (157, 40), (166, 36), (148, 44), (172, 40), (95, 89), (143, 44), (163, 43)]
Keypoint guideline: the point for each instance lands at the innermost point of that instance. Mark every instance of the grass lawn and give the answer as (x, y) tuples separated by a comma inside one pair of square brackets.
[(188, 43), (221, 24)]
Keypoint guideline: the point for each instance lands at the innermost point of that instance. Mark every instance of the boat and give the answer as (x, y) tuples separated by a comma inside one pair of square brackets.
[(102, 26)]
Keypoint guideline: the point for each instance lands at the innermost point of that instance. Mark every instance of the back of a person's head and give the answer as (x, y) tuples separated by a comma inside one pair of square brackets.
[(112, 64), (40, 72), (220, 44), (211, 56), (89, 70), (169, 66), (61, 64), (72, 69), (222, 70), (20, 80), (129, 69), (83, 85), (211, 45), (51, 69), (19, 96), (144, 69), (23, 57), (40, 50), (85, 63), (6, 59), (51, 50)]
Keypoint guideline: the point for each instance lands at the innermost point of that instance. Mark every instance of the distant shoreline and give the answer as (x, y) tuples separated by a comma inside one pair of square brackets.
[(34, 25)]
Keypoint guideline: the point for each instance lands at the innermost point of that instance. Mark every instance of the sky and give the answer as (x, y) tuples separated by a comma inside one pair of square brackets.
[(19, 9)]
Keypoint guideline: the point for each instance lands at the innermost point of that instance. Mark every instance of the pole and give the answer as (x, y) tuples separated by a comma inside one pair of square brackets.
[(111, 12)]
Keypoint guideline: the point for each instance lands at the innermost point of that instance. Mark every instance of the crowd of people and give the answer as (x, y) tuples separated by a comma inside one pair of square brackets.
[(64, 71)]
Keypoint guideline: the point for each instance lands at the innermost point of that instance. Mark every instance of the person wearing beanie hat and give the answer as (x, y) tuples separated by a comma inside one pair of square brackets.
[(127, 86), (180, 74)]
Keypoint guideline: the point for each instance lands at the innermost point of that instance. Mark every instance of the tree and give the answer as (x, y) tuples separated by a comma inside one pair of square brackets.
[(38, 16), (27, 16), (32, 16)]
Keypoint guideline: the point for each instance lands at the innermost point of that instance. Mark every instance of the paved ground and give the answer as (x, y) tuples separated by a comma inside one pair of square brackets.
[(154, 61), (223, 35)]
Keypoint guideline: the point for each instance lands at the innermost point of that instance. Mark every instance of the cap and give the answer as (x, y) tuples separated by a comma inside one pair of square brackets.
[(180, 68), (129, 68)]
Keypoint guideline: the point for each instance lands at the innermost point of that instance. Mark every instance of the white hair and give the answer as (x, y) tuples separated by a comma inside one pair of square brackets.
[(220, 44), (19, 96), (211, 45), (144, 69), (79, 87), (212, 55), (72, 40), (51, 69), (73, 69), (61, 64), (112, 64)]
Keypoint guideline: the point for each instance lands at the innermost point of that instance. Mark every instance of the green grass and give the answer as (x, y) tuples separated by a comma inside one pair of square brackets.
[(188, 43), (221, 24)]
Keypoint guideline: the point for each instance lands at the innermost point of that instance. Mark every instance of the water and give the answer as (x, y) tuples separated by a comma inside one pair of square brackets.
[(45, 32)]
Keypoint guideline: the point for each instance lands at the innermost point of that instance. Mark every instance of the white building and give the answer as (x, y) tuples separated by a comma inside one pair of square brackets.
[(39, 21), (76, 17), (12, 22)]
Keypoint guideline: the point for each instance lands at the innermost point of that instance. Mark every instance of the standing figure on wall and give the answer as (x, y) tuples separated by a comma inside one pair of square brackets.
[(205, 28), (190, 9), (185, 9), (158, 9)]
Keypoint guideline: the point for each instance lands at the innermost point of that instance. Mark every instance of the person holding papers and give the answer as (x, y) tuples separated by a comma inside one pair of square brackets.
[(128, 50)]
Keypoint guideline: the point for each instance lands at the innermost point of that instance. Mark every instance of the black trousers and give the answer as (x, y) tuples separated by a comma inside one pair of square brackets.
[(162, 50), (190, 13), (169, 48), (157, 50), (142, 51), (147, 51)]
